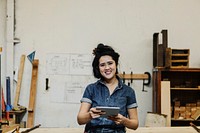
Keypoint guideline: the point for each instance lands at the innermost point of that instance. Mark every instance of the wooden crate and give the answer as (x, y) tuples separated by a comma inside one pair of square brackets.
[(177, 58)]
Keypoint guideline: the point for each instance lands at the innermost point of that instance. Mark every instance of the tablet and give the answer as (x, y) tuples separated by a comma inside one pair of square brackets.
[(109, 111)]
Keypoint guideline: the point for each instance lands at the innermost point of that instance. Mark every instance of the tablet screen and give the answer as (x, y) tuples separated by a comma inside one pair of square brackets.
[(109, 111)]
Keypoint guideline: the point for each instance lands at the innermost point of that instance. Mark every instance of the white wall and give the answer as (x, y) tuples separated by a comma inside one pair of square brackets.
[(2, 35), (77, 26)]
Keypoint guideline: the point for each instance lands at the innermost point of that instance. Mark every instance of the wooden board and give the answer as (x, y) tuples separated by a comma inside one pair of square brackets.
[(155, 49), (19, 80), (133, 76), (165, 101), (164, 43), (160, 55), (30, 121), (196, 115), (10, 128)]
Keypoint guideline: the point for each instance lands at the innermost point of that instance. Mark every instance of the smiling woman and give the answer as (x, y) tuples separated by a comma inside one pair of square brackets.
[(109, 91)]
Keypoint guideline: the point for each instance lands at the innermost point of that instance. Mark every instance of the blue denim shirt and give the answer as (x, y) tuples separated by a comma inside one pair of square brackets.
[(97, 94)]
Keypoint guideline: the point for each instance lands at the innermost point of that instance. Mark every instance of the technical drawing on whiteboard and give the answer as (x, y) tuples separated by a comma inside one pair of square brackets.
[(69, 64), (68, 89)]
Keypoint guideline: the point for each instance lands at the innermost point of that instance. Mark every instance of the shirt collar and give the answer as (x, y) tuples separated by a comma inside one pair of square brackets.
[(100, 81)]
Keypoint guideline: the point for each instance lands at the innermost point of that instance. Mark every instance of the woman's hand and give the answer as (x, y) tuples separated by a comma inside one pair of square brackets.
[(131, 122), (119, 119), (95, 113)]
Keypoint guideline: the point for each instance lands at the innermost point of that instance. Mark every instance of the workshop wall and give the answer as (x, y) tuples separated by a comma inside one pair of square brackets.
[(2, 29), (61, 30)]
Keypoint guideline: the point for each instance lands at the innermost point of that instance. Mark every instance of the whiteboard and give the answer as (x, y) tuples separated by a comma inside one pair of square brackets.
[(68, 89), (68, 64)]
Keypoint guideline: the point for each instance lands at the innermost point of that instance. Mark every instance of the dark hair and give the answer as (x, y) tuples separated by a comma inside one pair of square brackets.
[(102, 50)]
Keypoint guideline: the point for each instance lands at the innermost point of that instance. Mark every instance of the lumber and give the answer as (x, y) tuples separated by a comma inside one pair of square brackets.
[(32, 98), (6, 129), (165, 101), (196, 115), (19, 80), (133, 76)]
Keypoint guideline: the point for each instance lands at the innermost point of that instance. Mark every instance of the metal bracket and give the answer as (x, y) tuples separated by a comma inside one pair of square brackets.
[(148, 81)]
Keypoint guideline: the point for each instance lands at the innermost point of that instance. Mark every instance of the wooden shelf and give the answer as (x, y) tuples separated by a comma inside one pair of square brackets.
[(189, 89), (180, 55), (183, 119), (184, 87), (177, 58)]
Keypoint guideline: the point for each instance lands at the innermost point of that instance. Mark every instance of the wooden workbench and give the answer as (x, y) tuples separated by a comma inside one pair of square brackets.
[(139, 130)]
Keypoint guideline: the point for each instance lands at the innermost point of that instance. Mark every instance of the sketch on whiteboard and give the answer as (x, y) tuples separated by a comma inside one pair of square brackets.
[(80, 64), (57, 64), (69, 64), (68, 89), (73, 93)]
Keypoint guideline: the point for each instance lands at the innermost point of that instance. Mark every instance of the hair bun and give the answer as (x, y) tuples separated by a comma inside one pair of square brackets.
[(101, 48)]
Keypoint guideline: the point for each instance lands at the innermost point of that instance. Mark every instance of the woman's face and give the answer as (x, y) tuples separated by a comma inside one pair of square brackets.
[(107, 67)]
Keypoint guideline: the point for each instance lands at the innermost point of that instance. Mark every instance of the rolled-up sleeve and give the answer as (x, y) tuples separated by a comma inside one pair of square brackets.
[(132, 103), (87, 95)]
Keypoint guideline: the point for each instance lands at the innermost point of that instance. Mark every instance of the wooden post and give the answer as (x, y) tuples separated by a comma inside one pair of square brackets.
[(165, 43), (165, 101), (19, 80), (30, 121), (155, 49)]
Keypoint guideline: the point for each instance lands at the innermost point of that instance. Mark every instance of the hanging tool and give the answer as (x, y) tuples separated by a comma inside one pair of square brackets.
[(8, 94), (47, 84), (131, 77), (8, 98), (129, 84), (123, 77)]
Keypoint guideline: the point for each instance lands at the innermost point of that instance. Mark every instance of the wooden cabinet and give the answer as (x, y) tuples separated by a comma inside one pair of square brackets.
[(184, 87)]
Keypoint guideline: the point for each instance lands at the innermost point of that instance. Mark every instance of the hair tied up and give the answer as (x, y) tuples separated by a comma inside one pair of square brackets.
[(99, 49), (94, 51)]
